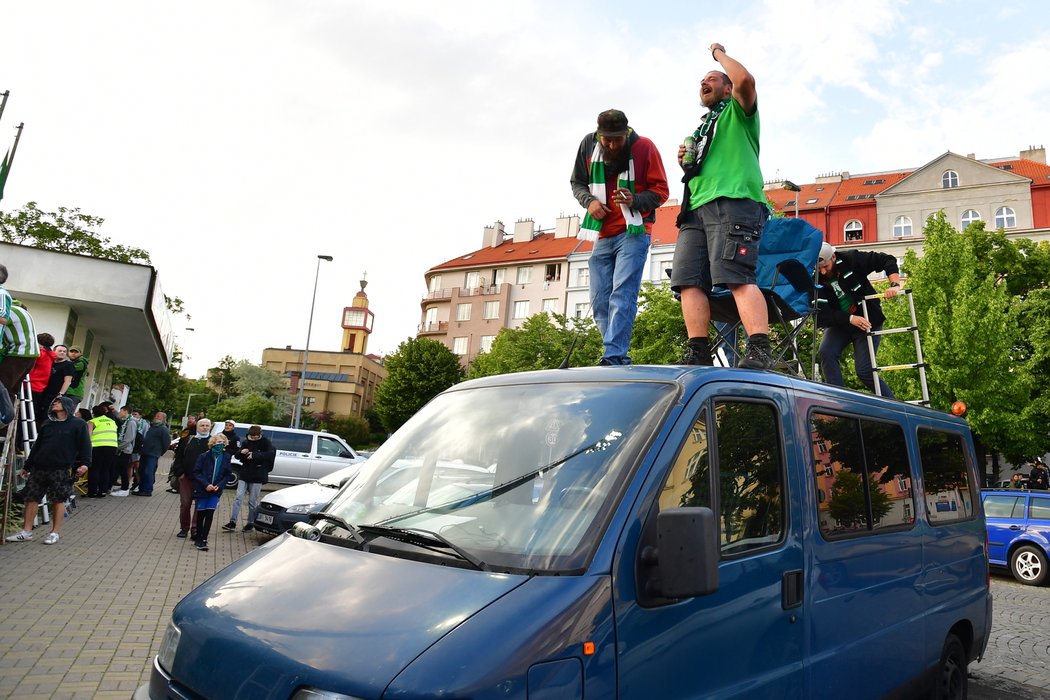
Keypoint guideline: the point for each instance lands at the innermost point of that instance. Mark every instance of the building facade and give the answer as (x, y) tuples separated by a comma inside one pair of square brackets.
[(512, 277), (340, 381)]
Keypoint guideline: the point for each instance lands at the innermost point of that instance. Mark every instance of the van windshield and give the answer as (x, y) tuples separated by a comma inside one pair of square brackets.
[(523, 477)]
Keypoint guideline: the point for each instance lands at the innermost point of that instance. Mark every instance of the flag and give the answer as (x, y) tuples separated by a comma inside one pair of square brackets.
[(4, 169)]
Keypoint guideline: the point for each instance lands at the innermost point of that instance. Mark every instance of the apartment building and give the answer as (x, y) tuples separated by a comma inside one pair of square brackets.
[(512, 277)]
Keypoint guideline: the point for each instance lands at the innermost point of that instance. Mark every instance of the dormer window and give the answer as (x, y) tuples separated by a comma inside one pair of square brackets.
[(949, 180)]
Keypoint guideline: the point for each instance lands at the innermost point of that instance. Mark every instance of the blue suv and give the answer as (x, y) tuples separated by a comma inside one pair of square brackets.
[(1019, 532)]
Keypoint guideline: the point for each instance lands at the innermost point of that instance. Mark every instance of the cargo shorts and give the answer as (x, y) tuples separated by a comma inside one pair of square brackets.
[(56, 483), (728, 228)]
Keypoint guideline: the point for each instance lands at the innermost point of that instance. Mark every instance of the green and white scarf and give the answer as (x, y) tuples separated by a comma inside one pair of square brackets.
[(591, 226)]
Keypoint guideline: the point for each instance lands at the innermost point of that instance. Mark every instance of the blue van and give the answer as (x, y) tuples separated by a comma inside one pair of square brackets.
[(632, 533)]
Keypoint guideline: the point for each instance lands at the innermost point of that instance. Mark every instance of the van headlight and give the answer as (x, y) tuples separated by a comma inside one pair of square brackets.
[(317, 694), (168, 646)]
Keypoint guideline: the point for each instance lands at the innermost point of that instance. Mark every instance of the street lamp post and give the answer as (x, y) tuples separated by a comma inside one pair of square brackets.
[(297, 411), (186, 413)]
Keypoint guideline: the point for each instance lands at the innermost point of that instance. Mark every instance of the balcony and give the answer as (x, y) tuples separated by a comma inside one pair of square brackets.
[(479, 291), (438, 295), (436, 328)]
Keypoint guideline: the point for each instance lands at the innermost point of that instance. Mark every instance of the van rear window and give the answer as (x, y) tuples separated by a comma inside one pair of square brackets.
[(862, 475), (946, 478)]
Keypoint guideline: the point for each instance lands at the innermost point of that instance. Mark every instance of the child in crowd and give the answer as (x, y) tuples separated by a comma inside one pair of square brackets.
[(209, 474)]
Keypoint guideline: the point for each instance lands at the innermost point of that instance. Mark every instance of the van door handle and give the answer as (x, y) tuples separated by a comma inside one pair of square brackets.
[(1015, 527), (791, 589)]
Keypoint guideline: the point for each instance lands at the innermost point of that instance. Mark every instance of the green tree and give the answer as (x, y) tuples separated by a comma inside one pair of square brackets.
[(248, 378), (352, 429), (220, 377), (542, 342), (249, 408), (417, 371), (68, 231), (970, 327), (153, 390), (659, 335)]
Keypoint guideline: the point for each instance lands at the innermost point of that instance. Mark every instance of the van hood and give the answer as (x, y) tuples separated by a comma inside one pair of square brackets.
[(300, 494), (296, 613)]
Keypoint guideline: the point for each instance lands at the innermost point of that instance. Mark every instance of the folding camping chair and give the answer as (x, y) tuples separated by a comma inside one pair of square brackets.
[(787, 263)]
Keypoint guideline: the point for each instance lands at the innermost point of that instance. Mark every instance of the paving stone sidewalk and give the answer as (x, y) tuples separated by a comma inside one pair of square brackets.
[(84, 618)]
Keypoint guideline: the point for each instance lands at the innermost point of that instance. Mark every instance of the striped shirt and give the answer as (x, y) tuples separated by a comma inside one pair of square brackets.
[(19, 335)]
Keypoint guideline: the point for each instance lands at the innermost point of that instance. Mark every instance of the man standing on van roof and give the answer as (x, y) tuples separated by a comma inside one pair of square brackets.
[(619, 178), (844, 284), (723, 213)]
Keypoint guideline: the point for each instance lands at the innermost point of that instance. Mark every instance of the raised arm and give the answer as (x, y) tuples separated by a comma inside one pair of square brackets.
[(743, 82)]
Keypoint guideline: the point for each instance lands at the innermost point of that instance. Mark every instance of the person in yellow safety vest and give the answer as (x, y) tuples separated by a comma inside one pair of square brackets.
[(103, 452)]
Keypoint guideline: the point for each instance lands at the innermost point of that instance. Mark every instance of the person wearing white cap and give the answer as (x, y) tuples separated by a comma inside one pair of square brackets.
[(844, 283)]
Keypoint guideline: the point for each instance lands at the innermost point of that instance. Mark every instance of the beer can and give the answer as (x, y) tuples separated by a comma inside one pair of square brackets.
[(689, 157)]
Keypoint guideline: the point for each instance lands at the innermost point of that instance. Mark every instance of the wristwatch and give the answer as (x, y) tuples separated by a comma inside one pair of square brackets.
[(895, 284)]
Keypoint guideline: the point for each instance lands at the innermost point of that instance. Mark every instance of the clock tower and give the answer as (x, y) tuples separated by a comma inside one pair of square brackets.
[(357, 323)]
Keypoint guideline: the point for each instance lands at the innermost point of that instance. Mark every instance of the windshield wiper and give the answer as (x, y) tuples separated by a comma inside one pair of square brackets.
[(424, 538), (355, 532)]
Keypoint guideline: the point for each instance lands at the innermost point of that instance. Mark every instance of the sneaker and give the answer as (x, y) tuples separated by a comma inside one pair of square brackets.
[(202, 545), (608, 362), (230, 526), (182, 534), (249, 527), (52, 538), (119, 493), (697, 356), (756, 357), (20, 536)]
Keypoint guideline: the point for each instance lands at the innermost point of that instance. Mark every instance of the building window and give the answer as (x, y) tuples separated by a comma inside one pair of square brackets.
[(581, 310), (463, 312), (902, 227), (486, 342), (472, 280), (970, 216), (499, 276), (853, 231), (1005, 218), (491, 310), (550, 306), (524, 275), (459, 345), (435, 283), (552, 272), (949, 180), (521, 309)]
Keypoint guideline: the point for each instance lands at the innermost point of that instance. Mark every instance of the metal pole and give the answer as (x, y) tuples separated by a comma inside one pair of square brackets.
[(297, 411), (186, 413)]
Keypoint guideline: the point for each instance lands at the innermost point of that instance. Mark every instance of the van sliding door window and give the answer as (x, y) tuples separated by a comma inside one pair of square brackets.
[(862, 476), (748, 477), (949, 489)]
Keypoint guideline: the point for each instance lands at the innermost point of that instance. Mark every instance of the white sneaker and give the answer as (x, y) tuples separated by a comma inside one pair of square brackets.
[(21, 536), (119, 493), (51, 538)]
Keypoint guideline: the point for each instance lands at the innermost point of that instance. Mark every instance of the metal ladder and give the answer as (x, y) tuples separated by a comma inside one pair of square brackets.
[(919, 363)]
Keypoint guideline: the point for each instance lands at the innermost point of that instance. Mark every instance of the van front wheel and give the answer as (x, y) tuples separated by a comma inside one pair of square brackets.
[(951, 684), (1029, 565)]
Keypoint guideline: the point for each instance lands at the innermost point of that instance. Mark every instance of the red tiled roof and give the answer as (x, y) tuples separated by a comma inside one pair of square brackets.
[(822, 192), (861, 185), (543, 247), (1038, 173)]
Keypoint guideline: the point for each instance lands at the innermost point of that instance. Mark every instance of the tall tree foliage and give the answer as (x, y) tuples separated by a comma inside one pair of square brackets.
[(66, 230), (417, 371), (542, 342)]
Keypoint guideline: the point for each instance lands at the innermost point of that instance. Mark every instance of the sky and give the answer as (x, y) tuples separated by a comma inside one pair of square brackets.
[(238, 140)]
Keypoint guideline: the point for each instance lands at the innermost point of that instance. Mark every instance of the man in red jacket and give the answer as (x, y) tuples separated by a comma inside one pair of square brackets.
[(619, 179)]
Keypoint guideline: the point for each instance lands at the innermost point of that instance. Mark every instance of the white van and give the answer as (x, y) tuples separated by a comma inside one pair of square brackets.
[(302, 455)]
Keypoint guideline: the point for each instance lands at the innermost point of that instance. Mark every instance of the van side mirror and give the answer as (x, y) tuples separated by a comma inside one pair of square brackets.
[(687, 552)]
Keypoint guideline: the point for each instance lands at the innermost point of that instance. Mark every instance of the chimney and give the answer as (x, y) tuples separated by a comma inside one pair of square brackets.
[(523, 230), (493, 235), (971, 156), (567, 226), (1036, 154)]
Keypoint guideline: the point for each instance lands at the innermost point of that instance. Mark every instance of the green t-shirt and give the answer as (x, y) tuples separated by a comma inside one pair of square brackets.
[(731, 167)]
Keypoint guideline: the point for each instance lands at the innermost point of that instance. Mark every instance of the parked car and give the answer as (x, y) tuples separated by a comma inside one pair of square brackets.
[(617, 532), (302, 455), (280, 509), (1019, 532)]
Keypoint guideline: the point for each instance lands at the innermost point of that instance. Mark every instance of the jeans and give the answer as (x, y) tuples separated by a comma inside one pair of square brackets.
[(616, 267), (253, 490), (147, 472), (835, 341)]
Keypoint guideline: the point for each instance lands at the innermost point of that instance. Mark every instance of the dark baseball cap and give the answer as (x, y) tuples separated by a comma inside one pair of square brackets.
[(612, 123)]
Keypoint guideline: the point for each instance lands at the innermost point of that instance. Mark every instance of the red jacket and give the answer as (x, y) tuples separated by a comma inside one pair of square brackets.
[(41, 371)]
